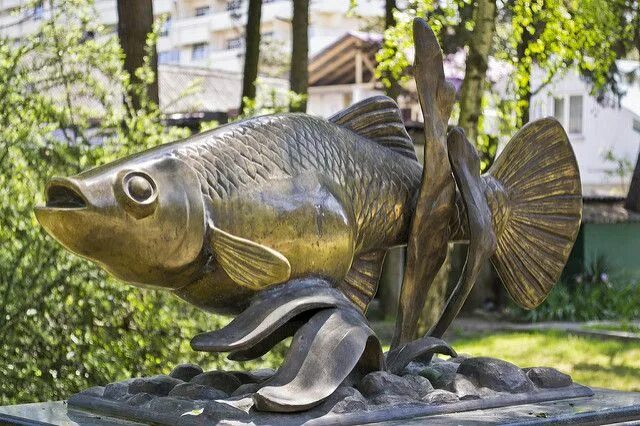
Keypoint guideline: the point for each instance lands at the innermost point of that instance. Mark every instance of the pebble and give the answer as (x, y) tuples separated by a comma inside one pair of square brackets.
[(384, 383), (547, 377), (186, 372), (196, 391), (495, 374), (221, 380), (159, 385)]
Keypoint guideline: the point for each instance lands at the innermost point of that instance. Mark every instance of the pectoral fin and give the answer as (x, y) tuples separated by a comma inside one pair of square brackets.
[(248, 263)]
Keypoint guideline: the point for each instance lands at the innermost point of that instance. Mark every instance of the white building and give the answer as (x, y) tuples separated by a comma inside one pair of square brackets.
[(596, 129), (211, 32)]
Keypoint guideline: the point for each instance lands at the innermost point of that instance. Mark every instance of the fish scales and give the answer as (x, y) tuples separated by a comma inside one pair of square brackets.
[(379, 191)]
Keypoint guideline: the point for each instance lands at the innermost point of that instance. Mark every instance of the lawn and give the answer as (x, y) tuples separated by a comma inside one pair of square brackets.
[(593, 362)]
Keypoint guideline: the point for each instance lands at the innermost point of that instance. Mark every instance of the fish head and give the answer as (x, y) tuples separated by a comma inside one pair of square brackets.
[(142, 220)]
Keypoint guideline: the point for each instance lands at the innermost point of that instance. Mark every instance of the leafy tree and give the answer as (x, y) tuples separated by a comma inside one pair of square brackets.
[(393, 63), (392, 87), (613, 31), (538, 34), (555, 35), (65, 325), (455, 24)]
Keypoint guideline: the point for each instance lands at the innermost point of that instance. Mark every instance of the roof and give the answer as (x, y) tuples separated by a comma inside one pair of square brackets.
[(335, 64), (607, 210)]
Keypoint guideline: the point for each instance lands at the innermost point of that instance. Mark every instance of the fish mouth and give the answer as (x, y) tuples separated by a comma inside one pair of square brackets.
[(63, 194)]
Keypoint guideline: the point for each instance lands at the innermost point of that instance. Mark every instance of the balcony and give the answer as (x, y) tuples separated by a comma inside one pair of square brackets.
[(229, 60), (364, 7), (190, 30), (226, 19)]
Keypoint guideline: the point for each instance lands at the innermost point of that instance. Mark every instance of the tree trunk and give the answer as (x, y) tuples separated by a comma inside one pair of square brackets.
[(473, 85), (135, 22), (252, 52), (299, 72), (524, 91), (633, 196), (393, 89)]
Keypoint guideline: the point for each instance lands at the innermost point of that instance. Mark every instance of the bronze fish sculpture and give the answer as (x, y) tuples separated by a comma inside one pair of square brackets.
[(285, 220), (227, 213)]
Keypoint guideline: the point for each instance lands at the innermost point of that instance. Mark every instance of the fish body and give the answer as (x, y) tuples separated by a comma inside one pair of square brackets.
[(319, 194), (312, 192)]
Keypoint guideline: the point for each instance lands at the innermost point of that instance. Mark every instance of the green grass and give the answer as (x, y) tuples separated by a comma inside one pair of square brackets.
[(593, 362)]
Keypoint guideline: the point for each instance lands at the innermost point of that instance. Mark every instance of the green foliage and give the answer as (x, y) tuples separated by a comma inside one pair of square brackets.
[(622, 168), (595, 294), (549, 34), (64, 325), (270, 100), (552, 35), (393, 59), (586, 302)]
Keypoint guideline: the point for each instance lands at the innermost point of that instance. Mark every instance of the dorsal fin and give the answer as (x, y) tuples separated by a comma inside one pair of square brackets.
[(378, 118)]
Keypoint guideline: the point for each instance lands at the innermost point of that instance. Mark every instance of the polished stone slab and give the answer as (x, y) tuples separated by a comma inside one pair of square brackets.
[(605, 406)]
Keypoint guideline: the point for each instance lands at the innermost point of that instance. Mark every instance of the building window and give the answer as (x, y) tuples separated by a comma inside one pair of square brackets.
[(202, 10), (234, 5), (575, 114), (166, 27), (636, 125), (234, 43), (558, 109), (199, 51), (169, 57)]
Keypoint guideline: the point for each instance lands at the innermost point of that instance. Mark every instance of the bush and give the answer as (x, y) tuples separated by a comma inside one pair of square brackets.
[(595, 294), (65, 325)]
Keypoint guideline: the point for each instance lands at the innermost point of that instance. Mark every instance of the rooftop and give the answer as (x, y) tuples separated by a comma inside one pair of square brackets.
[(609, 210)]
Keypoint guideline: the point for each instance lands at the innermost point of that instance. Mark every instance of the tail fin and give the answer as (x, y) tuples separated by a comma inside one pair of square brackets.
[(535, 197)]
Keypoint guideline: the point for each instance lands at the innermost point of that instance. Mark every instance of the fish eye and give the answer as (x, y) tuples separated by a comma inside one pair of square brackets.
[(139, 194), (140, 189)]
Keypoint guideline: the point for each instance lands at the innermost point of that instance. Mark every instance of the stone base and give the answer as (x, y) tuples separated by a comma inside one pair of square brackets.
[(421, 388), (604, 407), (213, 412)]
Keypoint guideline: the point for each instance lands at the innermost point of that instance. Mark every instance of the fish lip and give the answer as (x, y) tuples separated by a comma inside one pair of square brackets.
[(63, 194)]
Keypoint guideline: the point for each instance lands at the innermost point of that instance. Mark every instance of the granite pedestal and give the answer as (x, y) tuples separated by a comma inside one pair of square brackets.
[(604, 407)]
